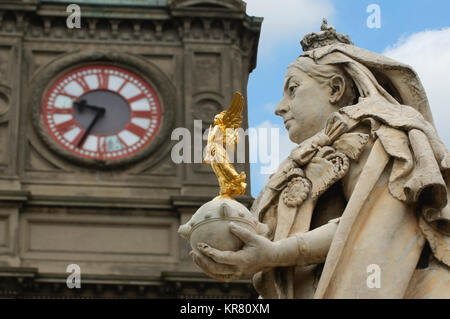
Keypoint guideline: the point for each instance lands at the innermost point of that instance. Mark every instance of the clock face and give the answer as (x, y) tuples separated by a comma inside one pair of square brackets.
[(101, 112)]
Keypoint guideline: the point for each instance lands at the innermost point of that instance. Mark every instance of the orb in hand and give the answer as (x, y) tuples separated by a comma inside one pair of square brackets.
[(211, 225)]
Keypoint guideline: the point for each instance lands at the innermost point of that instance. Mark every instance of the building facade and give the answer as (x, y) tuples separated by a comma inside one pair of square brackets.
[(86, 120)]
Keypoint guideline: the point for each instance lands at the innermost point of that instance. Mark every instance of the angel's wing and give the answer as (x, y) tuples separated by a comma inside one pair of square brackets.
[(233, 116)]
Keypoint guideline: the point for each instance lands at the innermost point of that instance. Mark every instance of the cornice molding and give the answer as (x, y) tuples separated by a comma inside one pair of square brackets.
[(29, 283)]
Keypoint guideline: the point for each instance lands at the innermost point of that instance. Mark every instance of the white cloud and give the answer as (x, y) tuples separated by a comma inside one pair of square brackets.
[(288, 19), (270, 107), (428, 52)]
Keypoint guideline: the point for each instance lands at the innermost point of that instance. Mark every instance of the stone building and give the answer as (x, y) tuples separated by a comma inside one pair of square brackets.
[(86, 117)]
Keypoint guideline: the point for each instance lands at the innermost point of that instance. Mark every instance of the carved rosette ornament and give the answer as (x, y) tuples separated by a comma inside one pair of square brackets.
[(296, 191), (326, 168)]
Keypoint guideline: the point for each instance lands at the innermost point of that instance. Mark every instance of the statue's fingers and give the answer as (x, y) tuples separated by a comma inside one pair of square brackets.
[(219, 256), (224, 278), (244, 234), (210, 266)]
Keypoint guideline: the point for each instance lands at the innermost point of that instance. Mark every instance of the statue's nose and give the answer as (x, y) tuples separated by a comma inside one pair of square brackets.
[(282, 107)]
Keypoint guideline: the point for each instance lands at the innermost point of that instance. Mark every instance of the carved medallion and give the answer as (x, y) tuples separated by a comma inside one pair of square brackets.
[(296, 191)]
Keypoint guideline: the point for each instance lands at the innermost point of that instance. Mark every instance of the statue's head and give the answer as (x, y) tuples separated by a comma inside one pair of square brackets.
[(218, 119), (333, 73), (311, 93)]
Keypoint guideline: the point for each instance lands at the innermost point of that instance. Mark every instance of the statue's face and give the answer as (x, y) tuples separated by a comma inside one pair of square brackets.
[(305, 106)]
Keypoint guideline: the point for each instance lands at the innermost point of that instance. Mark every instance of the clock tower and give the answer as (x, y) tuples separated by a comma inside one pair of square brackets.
[(88, 188)]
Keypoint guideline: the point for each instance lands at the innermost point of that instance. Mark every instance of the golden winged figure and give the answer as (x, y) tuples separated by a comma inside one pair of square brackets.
[(224, 133)]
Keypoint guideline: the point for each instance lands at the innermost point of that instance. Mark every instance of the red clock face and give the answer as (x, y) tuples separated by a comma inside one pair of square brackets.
[(101, 112)]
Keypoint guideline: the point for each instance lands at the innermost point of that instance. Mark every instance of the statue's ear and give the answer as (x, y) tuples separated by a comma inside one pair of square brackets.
[(337, 88)]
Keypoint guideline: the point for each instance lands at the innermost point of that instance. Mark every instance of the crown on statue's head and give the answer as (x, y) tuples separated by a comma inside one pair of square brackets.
[(326, 36)]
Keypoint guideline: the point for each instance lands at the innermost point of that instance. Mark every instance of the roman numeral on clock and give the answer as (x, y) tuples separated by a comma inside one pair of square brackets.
[(103, 81), (139, 131), (65, 126)]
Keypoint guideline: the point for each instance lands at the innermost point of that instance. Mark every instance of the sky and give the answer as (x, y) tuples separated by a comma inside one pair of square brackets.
[(415, 32)]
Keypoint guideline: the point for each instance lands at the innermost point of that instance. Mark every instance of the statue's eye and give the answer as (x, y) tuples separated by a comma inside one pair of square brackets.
[(292, 89)]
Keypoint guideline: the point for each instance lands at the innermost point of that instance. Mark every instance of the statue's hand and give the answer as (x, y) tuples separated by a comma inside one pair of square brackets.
[(257, 254)]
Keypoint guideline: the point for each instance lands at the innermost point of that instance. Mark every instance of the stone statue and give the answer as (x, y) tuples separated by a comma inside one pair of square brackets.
[(365, 187)]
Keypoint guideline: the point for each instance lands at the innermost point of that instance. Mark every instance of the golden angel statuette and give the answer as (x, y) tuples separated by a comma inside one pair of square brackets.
[(223, 137), (210, 224)]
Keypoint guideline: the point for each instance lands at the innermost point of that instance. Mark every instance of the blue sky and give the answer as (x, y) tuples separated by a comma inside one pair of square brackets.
[(416, 32)]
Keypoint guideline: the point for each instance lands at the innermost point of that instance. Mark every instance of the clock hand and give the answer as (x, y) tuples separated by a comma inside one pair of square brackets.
[(82, 104), (99, 113)]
